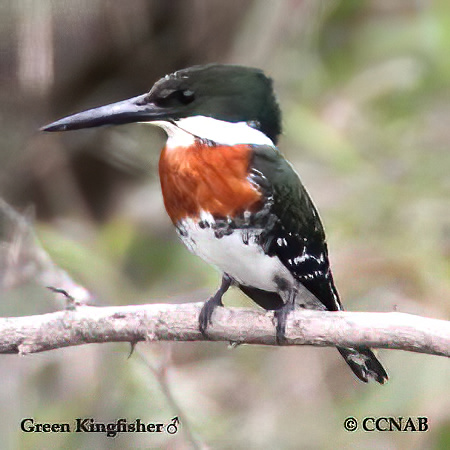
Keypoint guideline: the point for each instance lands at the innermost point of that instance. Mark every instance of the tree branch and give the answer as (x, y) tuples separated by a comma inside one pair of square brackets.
[(179, 322)]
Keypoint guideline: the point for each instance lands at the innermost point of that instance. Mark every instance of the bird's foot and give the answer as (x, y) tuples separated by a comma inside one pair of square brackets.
[(204, 319), (281, 316)]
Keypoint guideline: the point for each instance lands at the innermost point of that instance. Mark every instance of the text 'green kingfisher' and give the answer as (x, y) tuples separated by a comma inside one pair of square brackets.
[(234, 199)]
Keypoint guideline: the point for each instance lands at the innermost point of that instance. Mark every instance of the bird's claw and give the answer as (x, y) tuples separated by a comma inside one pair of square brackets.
[(281, 316), (204, 319)]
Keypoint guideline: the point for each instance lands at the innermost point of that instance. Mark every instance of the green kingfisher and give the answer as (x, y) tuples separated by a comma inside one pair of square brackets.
[(234, 199)]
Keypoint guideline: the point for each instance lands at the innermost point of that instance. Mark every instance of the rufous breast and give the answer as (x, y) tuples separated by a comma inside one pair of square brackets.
[(207, 178)]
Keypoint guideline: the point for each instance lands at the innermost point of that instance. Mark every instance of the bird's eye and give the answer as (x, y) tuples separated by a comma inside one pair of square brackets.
[(168, 98)]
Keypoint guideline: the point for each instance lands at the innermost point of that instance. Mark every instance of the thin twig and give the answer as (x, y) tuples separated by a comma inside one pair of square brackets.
[(24, 258), (159, 370)]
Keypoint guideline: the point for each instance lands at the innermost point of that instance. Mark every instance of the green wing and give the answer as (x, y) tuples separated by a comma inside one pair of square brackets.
[(294, 232)]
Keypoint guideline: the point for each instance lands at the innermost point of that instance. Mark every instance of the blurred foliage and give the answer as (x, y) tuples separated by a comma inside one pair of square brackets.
[(365, 90)]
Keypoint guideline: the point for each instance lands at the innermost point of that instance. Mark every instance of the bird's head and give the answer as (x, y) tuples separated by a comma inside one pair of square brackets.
[(226, 93)]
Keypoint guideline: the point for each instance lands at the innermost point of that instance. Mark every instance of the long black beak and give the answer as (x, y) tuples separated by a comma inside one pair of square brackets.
[(136, 109)]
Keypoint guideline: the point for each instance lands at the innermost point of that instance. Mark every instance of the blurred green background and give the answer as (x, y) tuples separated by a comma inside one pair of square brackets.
[(365, 90)]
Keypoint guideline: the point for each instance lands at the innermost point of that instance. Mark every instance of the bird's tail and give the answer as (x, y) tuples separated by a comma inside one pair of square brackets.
[(364, 364)]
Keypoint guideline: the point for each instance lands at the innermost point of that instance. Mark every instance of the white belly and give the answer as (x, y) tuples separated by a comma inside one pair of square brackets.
[(246, 263)]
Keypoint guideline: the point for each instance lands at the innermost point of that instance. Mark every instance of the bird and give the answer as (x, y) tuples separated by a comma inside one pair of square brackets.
[(234, 199)]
